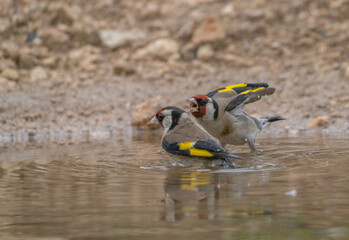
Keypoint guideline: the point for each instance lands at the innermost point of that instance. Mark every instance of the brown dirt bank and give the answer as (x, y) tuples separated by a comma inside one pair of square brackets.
[(77, 66)]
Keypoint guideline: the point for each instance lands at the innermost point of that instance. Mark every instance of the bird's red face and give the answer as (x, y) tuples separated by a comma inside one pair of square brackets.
[(198, 105), (160, 117)]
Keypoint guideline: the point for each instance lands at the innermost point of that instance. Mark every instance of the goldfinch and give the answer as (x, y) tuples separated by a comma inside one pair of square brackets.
[(183, 138), (220, 112)]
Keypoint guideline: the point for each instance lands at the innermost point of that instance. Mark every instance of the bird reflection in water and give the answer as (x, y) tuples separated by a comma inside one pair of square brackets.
[(199, 193), (189, 192)]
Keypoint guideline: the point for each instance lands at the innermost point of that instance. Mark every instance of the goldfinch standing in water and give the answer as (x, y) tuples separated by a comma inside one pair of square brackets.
[(221, 113), (184, 138)]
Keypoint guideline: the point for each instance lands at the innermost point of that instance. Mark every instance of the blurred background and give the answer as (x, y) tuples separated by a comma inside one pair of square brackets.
[(97, 66), (75, 71)]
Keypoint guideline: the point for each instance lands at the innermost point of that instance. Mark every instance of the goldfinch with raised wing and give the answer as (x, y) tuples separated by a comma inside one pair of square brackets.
[(221, 113)]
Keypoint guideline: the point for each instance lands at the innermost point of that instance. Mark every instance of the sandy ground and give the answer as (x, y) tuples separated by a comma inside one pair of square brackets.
[(69, 67)]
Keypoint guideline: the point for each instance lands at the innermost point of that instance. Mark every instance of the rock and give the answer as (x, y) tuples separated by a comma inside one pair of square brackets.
[(65, 15), (322, 121), (38, 74), (49, 61), (228, 9), (150, 10), (6, 63), (54, 38), (145, 111), (10, 50), (123, 69), (18, 19), (88, 63), (210, 30), (255, 14), (162, 48), (205, 52), (84, 57), (115, 38), (89, 67), (85, 31), (11, 74), (186, 30), (336, 115), (27, 60), (32, 37)]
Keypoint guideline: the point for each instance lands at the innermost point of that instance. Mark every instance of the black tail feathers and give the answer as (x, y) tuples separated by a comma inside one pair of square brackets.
[(275, 118)]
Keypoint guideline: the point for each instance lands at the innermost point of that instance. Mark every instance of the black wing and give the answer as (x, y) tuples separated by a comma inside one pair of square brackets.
[(248, 97), (238, 88), (199, 148)]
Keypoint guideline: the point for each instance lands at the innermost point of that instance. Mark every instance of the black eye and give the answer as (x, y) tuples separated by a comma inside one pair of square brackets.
[(160, 117), (204, 101)]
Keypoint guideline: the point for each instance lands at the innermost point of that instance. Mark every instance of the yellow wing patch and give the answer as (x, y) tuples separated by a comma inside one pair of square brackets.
[(194, 151), (185, 145), (200, 153), (231, 87), (192, 179), (254, 90)]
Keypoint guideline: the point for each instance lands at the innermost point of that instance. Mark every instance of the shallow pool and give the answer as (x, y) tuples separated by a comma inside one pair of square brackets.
[(126, 187)]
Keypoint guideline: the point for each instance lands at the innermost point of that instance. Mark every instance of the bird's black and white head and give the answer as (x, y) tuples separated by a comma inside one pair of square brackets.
[(202, 106), (168, 117)]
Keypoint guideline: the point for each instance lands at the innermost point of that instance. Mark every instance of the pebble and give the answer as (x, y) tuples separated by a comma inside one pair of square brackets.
[(10, 50), (49, 61), (205, 52), (65, 15), (11, 74), (150, 10), (85, 57), (322, 121), (255, 14), (6, 63), (143, 112), (123, 69), (115, 38), (228, 9), (164, 48), (27, 60), (53, 38), (210, 30), (38, 74)]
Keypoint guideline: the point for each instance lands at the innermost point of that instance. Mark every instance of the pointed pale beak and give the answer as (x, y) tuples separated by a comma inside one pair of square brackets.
[(154, 120), (193, 105)]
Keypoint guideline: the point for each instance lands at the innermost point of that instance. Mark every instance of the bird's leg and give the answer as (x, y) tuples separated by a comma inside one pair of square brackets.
[(250, 143), (227, 163)]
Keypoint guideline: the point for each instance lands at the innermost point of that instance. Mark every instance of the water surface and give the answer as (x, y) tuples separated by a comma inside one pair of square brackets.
[(127, 188)]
